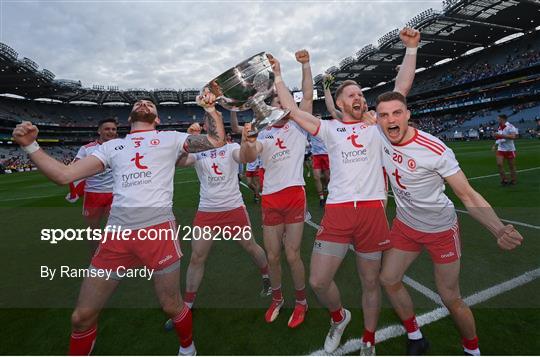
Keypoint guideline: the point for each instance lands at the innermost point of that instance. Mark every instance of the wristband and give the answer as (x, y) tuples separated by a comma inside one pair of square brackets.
[(29, 149), (278, 79), (411, 50), (306, 65)]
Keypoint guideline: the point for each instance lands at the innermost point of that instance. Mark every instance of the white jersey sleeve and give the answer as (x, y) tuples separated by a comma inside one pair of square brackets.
[(447, 165), (81, 153)]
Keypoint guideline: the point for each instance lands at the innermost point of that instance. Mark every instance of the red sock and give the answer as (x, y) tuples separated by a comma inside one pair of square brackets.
[(183, 325), (189, 296), (300, 296), (82, 343), (369, 336), (410, 324), (338, 315), (264, 271), (470, 344), (277, 295)]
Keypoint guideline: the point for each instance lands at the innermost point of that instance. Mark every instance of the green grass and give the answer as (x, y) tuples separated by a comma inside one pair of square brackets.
[(35, 312)]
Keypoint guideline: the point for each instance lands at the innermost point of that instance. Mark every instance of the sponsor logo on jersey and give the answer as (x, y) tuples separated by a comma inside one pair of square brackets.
[(216, 169), (137, 159), (398, 177), (280, 144), (119, 147), (353, 138)]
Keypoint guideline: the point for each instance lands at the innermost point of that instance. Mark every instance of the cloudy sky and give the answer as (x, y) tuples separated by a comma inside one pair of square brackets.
[(184, 44)]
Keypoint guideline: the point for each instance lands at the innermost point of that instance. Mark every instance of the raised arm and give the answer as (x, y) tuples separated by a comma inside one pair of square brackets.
[(507, 236), (405, 77), (306, 120), (215, 136), (250, 146), (186, 160), (237, 129), (328, 79), (25, 134), (306, 104)]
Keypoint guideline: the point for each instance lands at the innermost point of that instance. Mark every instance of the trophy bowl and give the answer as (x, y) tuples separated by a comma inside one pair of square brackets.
[(246, 86)]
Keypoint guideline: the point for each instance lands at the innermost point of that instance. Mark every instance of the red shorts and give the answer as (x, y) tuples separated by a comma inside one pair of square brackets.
[(507, 154), (252, 173), (261, 177), (444, 247), (139, 250), (97, 204), (285, 206), (320, 162), (237, 217), (364, 226)]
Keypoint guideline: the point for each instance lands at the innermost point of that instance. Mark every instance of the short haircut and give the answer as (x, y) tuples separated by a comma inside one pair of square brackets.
[(107, 120), (345, 84), (389, 96), (503, 116)]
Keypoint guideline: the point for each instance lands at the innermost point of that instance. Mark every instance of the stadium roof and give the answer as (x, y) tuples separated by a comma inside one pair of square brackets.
[(463, 25)]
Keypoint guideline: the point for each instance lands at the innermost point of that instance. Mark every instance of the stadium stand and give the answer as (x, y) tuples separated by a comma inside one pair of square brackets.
[(476, 60)]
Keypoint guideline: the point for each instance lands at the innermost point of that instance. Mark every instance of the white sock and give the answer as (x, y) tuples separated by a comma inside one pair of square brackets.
[(416, 335), (475, 352)]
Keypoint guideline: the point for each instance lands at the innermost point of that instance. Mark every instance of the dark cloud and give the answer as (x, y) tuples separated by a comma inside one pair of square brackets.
[(166, 44)]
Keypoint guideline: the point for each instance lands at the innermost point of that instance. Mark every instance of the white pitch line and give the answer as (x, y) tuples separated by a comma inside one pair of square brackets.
[(424, 290), (506, 220), (494, 175), (392, 331)]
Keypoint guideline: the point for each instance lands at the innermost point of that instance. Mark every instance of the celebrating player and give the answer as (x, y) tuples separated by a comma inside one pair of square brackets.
[(220, 207), (143, 165), (98, 188), (354, 212), (418, 164), (506, 150), (281, 148)]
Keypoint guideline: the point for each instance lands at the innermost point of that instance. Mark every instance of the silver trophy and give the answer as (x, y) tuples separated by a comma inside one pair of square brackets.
[(246, 86)]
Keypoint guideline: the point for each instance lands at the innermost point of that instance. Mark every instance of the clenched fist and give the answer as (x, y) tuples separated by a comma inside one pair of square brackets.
[(410, 37), (206, 99), (509, 238), (25, 133), (302, 56)]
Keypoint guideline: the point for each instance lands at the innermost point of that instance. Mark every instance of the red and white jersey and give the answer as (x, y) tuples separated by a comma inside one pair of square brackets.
[(282, 156), (218, 174), (102, 182), (507, 144), (143, 166), (416, 171), (354, 153)]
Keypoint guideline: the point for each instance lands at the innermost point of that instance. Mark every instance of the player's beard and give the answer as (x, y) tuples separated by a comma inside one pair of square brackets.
[(145, 117), (355, 114)]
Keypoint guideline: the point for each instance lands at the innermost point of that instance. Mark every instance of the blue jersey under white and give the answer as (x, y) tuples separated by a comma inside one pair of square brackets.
[(317, 146)]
